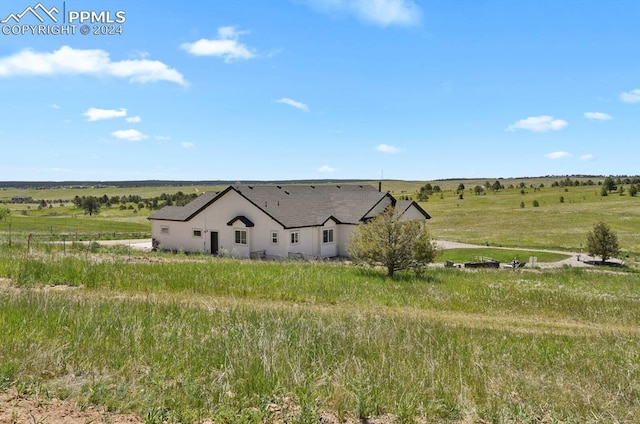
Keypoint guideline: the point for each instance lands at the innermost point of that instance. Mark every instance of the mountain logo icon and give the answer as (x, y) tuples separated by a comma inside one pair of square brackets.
[(39, 10)]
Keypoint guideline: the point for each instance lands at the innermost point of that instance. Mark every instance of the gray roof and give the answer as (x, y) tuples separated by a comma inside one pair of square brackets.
[(403, 205), (296, 205)]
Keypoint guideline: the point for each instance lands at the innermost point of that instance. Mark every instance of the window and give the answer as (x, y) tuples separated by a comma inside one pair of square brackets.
[(197, 233), (274, 237), (164, 230), (241, 236), (327, 236), (295, 237)]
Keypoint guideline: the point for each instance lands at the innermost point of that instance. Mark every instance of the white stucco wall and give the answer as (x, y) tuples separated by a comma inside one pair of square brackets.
[(344, 232), (215, 218), (259, 237)]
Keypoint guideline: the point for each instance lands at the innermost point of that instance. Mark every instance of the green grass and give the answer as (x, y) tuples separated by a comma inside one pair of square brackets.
[(183, 338), (496, 219), (175, 338), (69, 223)]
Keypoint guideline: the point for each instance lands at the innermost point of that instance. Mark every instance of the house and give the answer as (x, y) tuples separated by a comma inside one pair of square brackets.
[(272, 221)]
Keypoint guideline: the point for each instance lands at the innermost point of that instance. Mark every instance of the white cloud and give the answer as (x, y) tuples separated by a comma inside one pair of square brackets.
[(326, 169), (598, 116), (632, 96), (294, 103), (70, 61), (558, 155), (131, 135), (95, 114), (133, 119), (385, 148), (186, 145), (54, 106), (588, 156), (162, 137), (226, 46), (538, 124), (379, 12)]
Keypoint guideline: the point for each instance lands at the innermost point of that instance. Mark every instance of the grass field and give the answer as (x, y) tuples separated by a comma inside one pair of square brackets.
[(180, 339), (492, 219), (176, 338)]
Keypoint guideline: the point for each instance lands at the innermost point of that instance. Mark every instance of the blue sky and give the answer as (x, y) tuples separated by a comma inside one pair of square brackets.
[(305, 89)]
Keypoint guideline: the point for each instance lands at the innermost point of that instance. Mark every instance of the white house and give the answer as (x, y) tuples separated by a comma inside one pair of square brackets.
[(271, 221)]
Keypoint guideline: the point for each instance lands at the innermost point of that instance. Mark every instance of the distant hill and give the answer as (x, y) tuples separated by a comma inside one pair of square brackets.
[(186, 183), (158, 183)]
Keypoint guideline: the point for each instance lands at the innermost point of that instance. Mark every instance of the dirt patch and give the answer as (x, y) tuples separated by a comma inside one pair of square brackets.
[(18, 409), (6, 284)]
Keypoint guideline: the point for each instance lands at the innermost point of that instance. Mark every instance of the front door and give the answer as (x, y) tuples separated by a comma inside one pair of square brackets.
[(214, 242)]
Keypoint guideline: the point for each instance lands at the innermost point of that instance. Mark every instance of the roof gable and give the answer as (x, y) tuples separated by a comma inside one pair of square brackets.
[(295, 206), (403, 206), (246, 221)]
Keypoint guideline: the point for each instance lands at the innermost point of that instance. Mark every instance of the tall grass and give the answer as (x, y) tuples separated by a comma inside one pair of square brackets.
[(568, 292), (192, 361), (189, 338)]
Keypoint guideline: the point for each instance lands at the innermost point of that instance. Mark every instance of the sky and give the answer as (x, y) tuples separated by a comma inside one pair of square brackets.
[(318, 89)]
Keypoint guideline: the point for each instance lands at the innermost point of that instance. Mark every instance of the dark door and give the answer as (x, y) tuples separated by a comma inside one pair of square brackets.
[(214, 242)]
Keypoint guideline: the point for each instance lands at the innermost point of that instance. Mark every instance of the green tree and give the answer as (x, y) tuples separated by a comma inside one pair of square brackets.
[(460, 188), (633, 191), (609, 184), (91, 205), (4, 213), (424, 192), (603, 242), (392, 242)]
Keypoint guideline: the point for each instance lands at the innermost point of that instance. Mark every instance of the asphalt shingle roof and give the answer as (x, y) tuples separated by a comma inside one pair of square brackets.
[(295, 205)]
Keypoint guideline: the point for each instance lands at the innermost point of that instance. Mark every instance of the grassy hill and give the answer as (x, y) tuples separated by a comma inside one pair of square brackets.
[(496, 218)]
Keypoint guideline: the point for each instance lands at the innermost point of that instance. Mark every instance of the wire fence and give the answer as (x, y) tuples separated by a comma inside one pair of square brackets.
[(11, 238)]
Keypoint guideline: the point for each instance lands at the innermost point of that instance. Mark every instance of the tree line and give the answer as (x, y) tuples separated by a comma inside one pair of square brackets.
[(92, 204)]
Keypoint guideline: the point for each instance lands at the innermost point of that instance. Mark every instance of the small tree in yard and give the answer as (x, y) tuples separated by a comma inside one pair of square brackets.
[(392, 242), (603, 242)]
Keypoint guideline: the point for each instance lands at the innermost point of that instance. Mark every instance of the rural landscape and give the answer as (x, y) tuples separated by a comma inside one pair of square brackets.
[(95, 329)]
